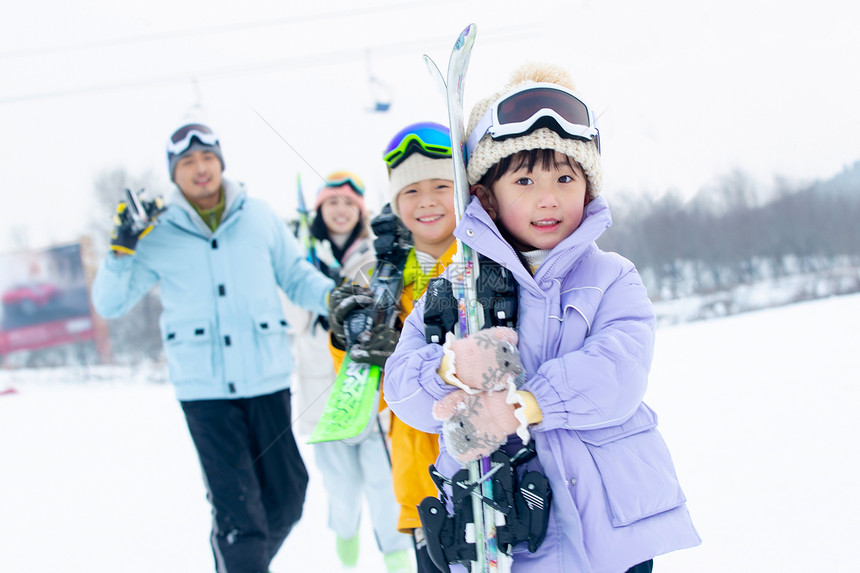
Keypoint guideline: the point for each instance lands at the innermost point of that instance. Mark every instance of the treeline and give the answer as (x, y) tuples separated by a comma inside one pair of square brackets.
[(732, 233), (134, 337), (729, 234)]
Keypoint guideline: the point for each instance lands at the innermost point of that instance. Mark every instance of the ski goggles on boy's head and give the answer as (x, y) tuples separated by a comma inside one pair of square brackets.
[(345, 178), (531, 107), (427, 138), (181, 138)]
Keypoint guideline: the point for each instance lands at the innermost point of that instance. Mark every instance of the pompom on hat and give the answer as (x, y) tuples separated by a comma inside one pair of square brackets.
[(489, 151)]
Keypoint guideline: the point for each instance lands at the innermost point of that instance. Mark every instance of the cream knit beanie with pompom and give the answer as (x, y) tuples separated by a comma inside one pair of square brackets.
[(488, 152)]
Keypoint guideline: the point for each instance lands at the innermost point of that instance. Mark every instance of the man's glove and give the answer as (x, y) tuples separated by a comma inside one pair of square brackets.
[(128, 229), (375, 346), (344, 300)]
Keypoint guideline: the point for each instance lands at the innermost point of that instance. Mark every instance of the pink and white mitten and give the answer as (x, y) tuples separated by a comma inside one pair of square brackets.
[(486, 360), (476, 425)]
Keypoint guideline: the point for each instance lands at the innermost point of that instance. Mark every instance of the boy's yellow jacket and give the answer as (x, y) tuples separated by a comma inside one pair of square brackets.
[(412, 451)]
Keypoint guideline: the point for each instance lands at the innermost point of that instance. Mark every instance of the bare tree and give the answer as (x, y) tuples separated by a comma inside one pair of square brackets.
[(135, 336), (20, 237), (728, 234)]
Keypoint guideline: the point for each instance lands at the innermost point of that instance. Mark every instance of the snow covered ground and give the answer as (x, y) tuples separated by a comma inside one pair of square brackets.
[(98, 475)]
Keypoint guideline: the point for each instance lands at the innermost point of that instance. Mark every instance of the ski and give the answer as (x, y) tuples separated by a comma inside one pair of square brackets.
[(352, 401), (488, 558), (141, 214), (136, 210), (354, 398), (304, 226), (436, 74)]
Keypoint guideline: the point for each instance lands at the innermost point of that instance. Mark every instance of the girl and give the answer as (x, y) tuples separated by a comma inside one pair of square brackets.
[(356, 468), (585, 337)]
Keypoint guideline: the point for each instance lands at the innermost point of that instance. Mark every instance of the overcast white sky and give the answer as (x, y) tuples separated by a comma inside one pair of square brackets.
[(687, 90)]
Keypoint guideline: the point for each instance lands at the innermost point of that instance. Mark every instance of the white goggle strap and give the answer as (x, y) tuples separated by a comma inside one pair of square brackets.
[(484, 125), (179, 147)]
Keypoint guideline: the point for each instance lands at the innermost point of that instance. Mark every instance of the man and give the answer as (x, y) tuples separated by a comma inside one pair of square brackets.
[(219, 257)]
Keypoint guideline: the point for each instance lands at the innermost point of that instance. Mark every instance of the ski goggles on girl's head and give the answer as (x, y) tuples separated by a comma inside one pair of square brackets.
[(345, 178), (534, 106), (427, 138), (181, 138)]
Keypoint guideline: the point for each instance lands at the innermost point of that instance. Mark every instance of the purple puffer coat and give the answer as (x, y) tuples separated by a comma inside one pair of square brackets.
[(586, 338)]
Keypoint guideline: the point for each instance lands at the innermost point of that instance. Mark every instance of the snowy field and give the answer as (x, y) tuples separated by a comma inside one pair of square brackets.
[(759, 410)]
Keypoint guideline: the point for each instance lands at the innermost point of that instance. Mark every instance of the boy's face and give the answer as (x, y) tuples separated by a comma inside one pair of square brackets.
[(539, 208), (339, 213), (198, 176), (427, 209)]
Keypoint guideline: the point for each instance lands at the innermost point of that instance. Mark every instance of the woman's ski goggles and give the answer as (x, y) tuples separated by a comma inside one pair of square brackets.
[(534, 106), (345, 178), (430, 139), (181, 138)]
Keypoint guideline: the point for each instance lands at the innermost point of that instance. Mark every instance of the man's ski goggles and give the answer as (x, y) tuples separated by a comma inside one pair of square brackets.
[(425, 138), (534, 106), (181, 138), (345, 178)]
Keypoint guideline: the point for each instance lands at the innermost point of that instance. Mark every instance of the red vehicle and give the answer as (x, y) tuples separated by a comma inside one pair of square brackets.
[(28, 299)]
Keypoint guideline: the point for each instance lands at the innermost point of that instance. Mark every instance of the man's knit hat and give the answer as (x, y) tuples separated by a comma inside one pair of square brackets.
[(488, 152), (342, 184), (189, 138)]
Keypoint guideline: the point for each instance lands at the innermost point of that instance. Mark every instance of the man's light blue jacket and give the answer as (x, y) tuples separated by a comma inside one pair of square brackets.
[(223, 328)]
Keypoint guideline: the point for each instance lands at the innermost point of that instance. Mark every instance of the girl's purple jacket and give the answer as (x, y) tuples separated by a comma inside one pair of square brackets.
[(586, 339)]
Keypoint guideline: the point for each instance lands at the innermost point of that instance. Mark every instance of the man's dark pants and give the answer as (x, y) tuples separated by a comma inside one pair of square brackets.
[(254, 474)]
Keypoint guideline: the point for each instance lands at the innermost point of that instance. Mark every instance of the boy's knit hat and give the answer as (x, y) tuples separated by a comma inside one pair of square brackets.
[(417, 152), (488, 152), (342, 184), (415, 168), (189, 138)]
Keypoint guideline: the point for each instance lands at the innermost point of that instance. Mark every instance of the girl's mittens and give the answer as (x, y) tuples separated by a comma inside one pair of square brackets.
[(476, 425), (487, 360)]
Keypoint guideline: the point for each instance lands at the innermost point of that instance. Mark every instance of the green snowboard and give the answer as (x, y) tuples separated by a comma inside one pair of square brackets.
[(350, 404)]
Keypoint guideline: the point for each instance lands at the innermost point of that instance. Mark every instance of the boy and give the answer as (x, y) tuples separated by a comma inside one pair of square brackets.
[(421, 175)]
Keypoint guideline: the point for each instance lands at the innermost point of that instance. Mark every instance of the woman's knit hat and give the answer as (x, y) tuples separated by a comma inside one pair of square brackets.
[(488, 152), (342, 184)]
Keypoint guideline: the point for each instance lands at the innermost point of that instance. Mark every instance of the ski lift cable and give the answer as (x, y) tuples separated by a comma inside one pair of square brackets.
[(335, 57), (210, 30)]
